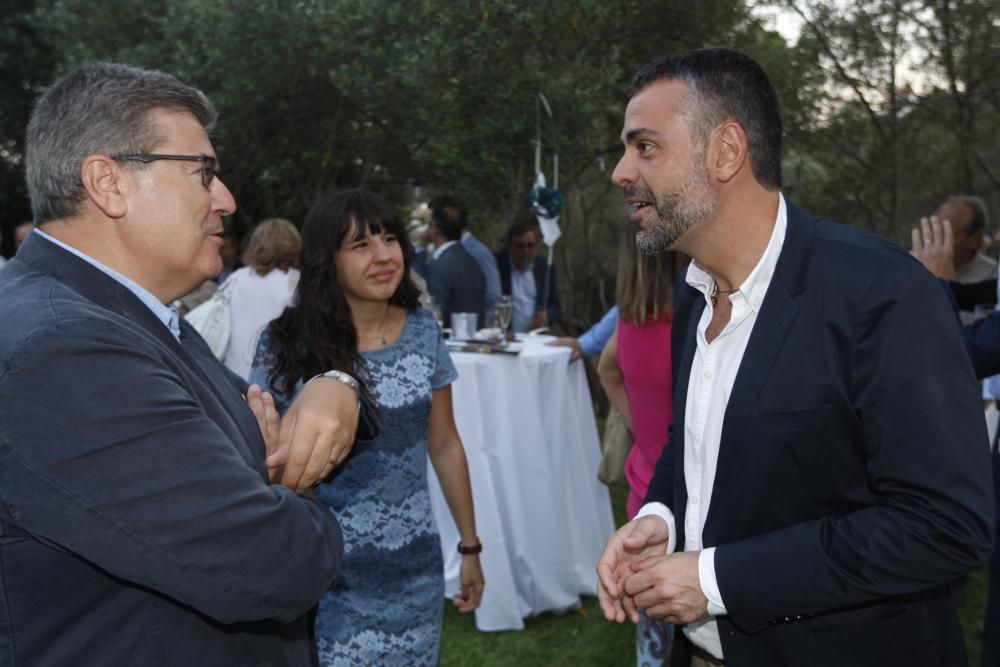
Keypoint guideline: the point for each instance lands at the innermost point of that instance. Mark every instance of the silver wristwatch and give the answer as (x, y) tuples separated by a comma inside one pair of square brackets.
[(342, 377)]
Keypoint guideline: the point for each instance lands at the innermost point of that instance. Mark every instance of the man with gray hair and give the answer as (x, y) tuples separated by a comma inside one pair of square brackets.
[(139, 521)]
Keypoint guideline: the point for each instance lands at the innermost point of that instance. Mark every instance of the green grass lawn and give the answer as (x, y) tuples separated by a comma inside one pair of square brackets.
[(583, 638)]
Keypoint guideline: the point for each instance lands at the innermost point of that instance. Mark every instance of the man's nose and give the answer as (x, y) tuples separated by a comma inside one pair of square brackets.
[(624, 173), (223, 199)]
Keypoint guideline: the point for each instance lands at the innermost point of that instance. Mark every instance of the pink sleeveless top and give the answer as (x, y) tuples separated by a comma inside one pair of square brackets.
[(644, 359)]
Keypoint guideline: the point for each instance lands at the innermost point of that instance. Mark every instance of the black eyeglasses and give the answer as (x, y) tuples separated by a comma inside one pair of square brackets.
[(209, 165)]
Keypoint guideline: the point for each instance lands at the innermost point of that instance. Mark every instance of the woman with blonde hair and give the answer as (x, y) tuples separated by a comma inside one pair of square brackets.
[(635, 371), (261, 289)]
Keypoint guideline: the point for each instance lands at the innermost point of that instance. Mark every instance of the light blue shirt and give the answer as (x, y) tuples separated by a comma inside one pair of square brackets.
[(598, 335), (488, 264), (166, 314), (522, 295)]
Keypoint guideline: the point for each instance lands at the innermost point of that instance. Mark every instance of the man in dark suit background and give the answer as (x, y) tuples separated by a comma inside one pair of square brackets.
[(454, 278), (139, 525), (826, 481), (524, 275)]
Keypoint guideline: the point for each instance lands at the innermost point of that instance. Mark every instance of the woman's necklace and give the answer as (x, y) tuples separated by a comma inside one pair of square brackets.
[(380, 337)]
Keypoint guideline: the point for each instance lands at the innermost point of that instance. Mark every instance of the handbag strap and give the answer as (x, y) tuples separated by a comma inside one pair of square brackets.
[(224, 291)]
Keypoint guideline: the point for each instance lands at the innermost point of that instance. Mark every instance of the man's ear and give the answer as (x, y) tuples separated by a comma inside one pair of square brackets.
[(106, 184), (729, 151)]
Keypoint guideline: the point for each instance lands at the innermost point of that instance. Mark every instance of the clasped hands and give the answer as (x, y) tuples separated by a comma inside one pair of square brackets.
[(636, 572), (315, 435)]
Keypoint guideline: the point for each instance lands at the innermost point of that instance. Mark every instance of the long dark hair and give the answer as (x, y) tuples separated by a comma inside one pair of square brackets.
[(644, 287), (317, 334)]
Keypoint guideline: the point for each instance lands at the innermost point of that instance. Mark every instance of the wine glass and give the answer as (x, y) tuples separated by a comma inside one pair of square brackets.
[(505, 312)]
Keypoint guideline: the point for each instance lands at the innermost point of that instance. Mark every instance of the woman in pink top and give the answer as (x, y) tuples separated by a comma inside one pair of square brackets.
[(635, 372)]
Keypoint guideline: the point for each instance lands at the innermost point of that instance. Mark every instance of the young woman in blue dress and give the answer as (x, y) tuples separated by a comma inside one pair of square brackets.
[(356, 310)]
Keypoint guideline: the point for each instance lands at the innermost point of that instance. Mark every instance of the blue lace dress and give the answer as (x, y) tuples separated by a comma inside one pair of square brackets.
[(386, 607)]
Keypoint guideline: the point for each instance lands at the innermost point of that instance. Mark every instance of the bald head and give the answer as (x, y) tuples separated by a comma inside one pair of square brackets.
[(968, 222)]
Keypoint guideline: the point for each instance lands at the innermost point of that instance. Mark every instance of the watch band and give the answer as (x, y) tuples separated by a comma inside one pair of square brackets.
[(342, 377), (471, 549)]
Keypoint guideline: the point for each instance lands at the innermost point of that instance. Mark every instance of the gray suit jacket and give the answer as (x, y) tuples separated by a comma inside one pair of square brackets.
[(457, 284), (137, 525)]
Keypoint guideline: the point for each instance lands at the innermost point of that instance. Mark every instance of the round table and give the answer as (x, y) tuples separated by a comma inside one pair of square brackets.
[(527, 423)]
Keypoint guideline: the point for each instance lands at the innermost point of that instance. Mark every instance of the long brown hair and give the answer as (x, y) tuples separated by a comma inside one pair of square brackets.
[(644, 287), (317, 334)]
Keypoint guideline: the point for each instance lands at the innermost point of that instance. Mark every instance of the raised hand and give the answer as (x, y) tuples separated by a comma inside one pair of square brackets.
[(932, 244)]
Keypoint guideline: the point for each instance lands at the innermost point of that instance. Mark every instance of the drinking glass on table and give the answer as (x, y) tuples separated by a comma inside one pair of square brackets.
[(505, 312)]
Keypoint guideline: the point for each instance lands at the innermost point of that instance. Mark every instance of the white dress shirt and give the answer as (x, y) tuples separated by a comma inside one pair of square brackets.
[(713, 373), (255, 300)]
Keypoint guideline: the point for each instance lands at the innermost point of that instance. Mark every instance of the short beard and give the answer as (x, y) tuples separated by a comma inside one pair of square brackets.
[(678, 212), (655, 240)]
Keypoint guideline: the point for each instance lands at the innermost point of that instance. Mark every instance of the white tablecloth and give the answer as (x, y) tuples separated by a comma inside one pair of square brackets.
[(528, 427)]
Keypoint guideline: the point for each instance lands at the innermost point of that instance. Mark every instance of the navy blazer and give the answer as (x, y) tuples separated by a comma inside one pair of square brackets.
[(137, 526), (539, 269), (457, 284), (853, 481)]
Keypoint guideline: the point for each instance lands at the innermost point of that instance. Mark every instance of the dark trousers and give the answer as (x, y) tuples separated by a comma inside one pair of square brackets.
[(991, 626)]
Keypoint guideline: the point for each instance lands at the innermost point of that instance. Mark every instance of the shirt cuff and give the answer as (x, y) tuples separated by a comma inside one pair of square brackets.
[(709, 584), (991, 387), (662, 511), (587, 345)]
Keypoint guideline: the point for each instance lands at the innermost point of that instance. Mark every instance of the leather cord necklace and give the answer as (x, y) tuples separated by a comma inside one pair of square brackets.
[(714, 296)]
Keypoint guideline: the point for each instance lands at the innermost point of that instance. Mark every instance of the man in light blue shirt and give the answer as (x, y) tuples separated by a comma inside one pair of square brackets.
[(529, 279), (594, 340)]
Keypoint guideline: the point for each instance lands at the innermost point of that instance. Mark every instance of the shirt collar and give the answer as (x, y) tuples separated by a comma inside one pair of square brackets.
[(755, 286), (441, 248), (166, 314)]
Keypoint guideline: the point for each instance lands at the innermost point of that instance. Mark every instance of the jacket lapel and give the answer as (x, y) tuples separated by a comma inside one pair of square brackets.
[(778, 312), (92, 284)]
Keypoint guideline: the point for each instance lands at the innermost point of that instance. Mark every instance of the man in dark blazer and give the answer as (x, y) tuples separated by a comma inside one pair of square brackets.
[(454, 278), (827, 480), (532, 307), (138, 522)]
